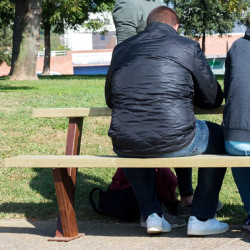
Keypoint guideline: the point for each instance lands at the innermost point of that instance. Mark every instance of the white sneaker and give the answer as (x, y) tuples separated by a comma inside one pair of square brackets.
[(174, 221), (211, 226), (156, 224)]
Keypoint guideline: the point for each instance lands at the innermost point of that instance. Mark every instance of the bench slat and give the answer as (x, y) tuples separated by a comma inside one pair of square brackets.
[(71, 112), (101, 111), (90, 161)]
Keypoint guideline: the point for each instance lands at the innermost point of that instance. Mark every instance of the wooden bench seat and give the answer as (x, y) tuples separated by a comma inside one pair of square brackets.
[(64, 168), (91, 161)]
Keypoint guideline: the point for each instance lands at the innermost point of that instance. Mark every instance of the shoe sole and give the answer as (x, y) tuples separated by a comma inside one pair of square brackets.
[(172, 225), (154, 230), (198, 232), (157, 230)]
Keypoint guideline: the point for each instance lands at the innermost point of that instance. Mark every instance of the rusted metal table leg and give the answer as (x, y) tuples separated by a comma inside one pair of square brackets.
[(65, 184)]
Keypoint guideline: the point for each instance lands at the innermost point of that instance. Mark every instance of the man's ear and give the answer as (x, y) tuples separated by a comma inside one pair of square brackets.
[(176, 27)]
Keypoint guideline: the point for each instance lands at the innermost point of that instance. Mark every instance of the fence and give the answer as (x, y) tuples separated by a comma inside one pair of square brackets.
[(54, 53)]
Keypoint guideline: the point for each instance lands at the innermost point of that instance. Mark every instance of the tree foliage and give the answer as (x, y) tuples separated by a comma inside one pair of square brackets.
[(202, 17), (71, 13), (59, 14), (5, 45), (242, 10), (99, 23), (66, 14), (7, 9), (245, 19)]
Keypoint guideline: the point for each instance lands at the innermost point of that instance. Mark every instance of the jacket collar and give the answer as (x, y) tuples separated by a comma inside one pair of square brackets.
[(161, 26), (247, 34)]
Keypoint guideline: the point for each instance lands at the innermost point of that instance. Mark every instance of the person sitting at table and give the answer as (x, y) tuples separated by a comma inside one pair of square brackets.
[(153, 81), (236, 115)]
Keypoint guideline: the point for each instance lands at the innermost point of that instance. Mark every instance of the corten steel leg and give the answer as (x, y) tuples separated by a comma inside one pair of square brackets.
[(65, 183)]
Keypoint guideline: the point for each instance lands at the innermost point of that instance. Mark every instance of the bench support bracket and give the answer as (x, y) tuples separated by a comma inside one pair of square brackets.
[(65, 184)]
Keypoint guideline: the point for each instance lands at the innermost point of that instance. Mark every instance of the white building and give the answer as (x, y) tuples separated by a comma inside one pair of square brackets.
[(84, 39)]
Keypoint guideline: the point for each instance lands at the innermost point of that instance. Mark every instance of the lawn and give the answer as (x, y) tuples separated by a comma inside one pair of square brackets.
[(29, 193)]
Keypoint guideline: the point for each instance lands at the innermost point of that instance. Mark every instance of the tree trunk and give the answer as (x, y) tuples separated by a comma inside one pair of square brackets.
[(203, 47), (46, 63), (20, 10), (25, 66)]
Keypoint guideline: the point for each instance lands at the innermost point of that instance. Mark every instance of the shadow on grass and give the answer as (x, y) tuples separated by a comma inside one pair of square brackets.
[(220, 77), (6, 87), (63, 77), (77, 77), (43, 184), (4, 78), (235, 214)]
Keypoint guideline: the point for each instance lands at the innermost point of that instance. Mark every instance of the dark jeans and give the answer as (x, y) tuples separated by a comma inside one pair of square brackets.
[(208, 140)]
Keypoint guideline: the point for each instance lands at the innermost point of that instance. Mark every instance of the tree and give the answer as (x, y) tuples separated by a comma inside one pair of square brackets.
[(201, 17), (17, 32), (25, 39), (66, 14)]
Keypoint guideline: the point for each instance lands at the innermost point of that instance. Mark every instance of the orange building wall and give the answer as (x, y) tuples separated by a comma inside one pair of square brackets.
[(4, 69), (60, 64), (217, 46)]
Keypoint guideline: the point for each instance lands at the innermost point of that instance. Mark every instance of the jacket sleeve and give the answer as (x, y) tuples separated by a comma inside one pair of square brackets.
[(227, 74), (126, 18), (112, 67), (118, 57), (207, 90), (108, 88)]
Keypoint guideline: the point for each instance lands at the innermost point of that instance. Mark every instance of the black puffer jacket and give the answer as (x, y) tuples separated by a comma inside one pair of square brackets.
[(151, 84), (236, 116)]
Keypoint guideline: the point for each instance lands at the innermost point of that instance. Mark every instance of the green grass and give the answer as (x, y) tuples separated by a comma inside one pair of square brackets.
[(29, 193)]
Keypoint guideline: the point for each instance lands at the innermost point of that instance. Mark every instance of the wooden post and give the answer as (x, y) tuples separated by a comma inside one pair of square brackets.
[(65, 184)]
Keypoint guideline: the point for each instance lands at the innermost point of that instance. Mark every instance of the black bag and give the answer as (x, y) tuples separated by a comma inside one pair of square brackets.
[(121, 204)]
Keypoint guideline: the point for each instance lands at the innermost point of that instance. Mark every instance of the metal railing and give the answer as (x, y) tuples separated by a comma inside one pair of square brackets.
[(54, 53)]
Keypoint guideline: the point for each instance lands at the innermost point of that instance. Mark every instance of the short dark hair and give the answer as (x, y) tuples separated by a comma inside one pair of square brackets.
[(163, 14)]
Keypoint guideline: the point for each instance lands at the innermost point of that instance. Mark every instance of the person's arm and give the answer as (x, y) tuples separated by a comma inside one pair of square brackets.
[(227, 74), (108, 88), (208, 93), (116, 56), (119, 56), (126, 18)]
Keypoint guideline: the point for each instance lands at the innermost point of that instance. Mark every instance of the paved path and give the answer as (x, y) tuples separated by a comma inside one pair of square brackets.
[(22, 234)]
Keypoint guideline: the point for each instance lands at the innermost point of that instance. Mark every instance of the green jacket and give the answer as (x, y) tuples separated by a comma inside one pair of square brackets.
[(130, 16)]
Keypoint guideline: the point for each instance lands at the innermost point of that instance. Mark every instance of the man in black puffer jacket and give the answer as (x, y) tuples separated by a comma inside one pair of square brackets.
[(153, 81)]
